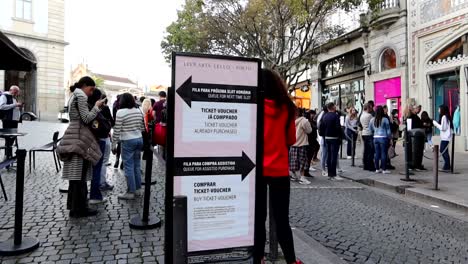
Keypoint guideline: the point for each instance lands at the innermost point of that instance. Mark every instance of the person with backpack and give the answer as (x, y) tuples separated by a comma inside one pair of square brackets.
[(445, 126), (129, 125), (279, 134), (330, 130)]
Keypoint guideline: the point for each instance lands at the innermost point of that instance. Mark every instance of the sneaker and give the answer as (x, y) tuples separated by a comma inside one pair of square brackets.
[(116, 164), (386, 172), (390, 167), (349, 157), (324, 174), (338, 178), (442, 170), (340, 170), (312, 169), (126, 196), (139, 192), (304, 181), (97, 201), (421, 169), (87, 213), (378, 171), (121, 166)]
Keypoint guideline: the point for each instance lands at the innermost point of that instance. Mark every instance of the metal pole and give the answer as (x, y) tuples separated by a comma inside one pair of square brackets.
[(453, 153), (353, 150), (148, 172), (406, 153), (179, 248), (273, 236), (435, 167), (21, 156)]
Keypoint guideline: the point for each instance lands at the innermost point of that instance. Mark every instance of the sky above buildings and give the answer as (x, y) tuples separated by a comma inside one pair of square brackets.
[(120, 37)]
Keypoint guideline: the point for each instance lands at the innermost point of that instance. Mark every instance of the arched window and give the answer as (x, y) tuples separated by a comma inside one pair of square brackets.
[(387, 60), (450, 51)]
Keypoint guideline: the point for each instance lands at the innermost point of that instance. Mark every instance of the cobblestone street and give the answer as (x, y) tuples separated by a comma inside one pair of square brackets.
[(106, 238), (364, 226)]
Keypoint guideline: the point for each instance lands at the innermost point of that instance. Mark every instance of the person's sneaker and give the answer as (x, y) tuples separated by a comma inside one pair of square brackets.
[(121, 166), (97, 201), (324, 174), (338, 178), (442, 170), (340, 170), (386, 172), (116, 164), (139, 192), (390, 167), (126, 196), (304, 181), (312, 169), (378, 171), (87, 213), (421, 169), (348, 157)]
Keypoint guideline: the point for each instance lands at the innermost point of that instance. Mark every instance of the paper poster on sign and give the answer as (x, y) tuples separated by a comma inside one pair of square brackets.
[(215, 155)]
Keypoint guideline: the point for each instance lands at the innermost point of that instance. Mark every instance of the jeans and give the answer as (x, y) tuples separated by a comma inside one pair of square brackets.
[(279, 189), (368, 155), (131, 152), (381, 150), (429, 139), (444, 150), (324, 156), (333, 147), (351, 138), (95, 193), (105, 159)]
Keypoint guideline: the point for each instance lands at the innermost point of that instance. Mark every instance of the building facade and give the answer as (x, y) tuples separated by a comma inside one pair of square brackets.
[(368, 63), (37, 27), (438, 59)]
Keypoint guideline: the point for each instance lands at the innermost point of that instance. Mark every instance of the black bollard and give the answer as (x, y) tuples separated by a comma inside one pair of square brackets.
[(453, 153), (19, 244), (435, 167), (180, 244), (353, 151), (146, 222)]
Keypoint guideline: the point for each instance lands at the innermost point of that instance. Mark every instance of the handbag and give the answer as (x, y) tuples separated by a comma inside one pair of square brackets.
[(391, 152), (160, 134), (100, 126)]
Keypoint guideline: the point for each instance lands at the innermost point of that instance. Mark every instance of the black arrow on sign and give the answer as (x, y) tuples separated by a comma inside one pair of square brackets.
[(208, 92), (195, 166)]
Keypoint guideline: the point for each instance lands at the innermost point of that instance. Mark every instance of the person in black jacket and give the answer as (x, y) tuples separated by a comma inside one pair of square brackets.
[(330, 129), (115, 108)]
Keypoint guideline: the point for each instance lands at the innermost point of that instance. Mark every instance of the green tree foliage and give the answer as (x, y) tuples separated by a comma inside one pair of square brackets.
[(99, 81), (284, 34)]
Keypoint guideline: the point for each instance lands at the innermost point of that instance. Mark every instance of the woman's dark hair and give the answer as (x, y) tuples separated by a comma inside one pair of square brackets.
[(425, 116), (96, 96), (275, 89), (444, 111), (84, 81), (379, 115), (394, 112), (152, 101), (127, 101)]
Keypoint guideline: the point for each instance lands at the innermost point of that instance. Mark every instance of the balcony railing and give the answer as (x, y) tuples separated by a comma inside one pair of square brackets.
[(388, 4)]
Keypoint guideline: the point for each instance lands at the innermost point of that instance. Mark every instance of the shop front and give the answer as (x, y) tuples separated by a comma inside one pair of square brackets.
[(388, 92), (343, 80)]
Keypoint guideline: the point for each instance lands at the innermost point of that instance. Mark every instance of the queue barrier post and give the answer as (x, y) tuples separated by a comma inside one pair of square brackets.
[(180, 244), (435, 167)]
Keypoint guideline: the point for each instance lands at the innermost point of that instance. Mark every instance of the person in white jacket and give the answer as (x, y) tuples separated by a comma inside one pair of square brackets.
[(298, 152), (445, 127)]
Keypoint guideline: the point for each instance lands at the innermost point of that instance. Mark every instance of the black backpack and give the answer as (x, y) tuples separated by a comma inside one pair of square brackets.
[(164, 113), (100, 126)]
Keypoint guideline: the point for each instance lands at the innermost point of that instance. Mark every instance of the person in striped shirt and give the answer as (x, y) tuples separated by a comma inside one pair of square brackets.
[(129, 125)]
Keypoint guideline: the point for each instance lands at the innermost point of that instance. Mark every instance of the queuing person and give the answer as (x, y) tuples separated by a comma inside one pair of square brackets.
[(147, 110), (279, 134), (390, 143), (445, 126), (427, 125), (351, 126), (415, 120), (395, 127), (79, 149), (371, 106), (321, 140), (118, 151), (10, 111), (314, 146), (330, 129), (106, 113), (367, 137), (129, 125), (298, 152), (380, 128), (159, 106)]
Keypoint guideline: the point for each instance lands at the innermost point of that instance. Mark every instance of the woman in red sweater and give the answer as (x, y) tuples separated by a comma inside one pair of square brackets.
[(279, 135)]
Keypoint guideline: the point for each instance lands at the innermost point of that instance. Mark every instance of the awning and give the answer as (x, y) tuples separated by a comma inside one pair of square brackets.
[(13, 58)]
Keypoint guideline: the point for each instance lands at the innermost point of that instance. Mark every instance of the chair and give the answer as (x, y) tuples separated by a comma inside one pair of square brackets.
[(3, 165), (50, 147)]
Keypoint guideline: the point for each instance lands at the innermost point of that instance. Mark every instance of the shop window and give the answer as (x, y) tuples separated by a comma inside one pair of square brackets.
[(345, 95), (346, 63), (447, 92), (24, 9), (451, 51), (387, 60)]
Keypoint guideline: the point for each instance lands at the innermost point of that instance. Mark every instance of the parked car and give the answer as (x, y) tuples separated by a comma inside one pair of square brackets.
[(27, 116), (63, 115)]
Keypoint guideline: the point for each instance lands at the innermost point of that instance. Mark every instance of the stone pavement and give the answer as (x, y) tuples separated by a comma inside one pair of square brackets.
[(365, 225), (453, 187), (105, 238)]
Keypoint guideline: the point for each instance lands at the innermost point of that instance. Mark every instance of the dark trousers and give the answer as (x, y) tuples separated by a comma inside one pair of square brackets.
[(333, 147), (95, 193), (279, 195), (445, 154), (368, 155), (77, 198), (315, 148), (351, 138), (9, 141)]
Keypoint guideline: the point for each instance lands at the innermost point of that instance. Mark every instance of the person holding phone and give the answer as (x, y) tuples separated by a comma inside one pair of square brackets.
[(10, 112)]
